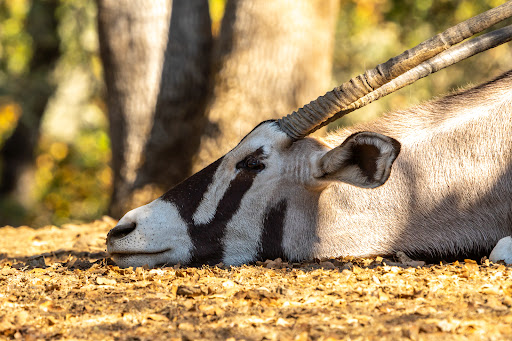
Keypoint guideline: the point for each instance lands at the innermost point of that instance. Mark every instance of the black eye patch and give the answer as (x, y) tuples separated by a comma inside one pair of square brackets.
[(252, 162)]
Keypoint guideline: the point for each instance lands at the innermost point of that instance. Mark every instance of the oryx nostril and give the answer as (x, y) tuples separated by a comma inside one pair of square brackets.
[(120, 231)]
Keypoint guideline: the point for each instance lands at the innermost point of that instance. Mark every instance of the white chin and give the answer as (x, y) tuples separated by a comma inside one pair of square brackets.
[(140, 260)]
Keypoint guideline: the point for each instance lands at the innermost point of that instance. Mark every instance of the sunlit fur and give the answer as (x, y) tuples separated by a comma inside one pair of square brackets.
[(449, 193), (502, 251), (155, 240)]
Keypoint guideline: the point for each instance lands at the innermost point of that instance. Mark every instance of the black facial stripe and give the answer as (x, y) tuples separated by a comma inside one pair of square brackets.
[(272, 235), (188, 194), (207, 238)]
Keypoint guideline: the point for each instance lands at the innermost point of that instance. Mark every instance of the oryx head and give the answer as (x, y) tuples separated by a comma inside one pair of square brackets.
[(258, 201)]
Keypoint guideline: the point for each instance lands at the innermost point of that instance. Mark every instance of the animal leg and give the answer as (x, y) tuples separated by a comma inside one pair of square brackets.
[(502, 251)]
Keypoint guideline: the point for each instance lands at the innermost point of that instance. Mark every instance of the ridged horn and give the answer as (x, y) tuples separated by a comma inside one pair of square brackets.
[(342, 100)]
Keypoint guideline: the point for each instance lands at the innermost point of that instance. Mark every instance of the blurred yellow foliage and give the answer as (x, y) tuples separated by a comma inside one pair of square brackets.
[(216, 13), (18, 8), (9, 115), (58, 150), (45, 162), (466, 9), (73, 180)]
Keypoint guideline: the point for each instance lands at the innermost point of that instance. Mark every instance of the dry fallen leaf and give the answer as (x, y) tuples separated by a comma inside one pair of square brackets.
[(158, 317), (105, 281), (82, 295)]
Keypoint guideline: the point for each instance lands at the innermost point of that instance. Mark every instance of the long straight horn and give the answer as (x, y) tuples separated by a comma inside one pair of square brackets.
[(330, 107)]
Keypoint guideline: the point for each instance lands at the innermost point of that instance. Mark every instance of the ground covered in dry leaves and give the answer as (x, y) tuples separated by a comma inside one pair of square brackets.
[(58, 283)]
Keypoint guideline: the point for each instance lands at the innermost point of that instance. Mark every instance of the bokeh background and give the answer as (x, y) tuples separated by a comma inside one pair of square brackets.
[(51, 79)]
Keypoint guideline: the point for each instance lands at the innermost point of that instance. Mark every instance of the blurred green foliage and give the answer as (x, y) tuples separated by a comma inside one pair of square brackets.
[(370, 32), (15, 53), (73, 178), (15, 50)]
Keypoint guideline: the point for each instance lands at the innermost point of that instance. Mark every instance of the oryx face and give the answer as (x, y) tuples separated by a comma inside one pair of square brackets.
[(259, 201)]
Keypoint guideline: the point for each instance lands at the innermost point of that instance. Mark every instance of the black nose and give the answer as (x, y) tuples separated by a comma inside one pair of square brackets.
[(120, 231)]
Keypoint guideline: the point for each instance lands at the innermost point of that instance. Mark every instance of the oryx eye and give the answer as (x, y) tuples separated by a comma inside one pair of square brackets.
[(250, 163)]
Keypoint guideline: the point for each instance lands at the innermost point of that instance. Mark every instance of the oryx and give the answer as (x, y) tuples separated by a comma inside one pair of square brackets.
[(279, 193)]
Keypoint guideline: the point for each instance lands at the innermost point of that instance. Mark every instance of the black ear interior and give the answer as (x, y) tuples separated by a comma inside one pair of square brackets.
[(365, 157)]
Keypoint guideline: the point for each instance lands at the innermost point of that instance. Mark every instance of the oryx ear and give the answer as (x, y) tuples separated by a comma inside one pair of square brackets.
[(364, 159)]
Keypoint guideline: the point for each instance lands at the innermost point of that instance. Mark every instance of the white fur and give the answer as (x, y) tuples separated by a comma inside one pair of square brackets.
[(160, 236), (502, 251), (208, 206), (243, 232), (242, 236)]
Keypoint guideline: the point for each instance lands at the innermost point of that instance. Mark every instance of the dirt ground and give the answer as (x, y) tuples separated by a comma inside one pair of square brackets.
[(58, 283)]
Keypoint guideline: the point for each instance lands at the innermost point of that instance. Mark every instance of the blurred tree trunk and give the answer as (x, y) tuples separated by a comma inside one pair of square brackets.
[(17, 154), (168, 117), (179, 115), (156, 76), (272, 57)]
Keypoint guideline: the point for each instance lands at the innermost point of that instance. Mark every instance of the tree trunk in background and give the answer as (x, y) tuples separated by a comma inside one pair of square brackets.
[(179, 116), (17, 154), (168, 117), (154, 87), (272, 57)]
